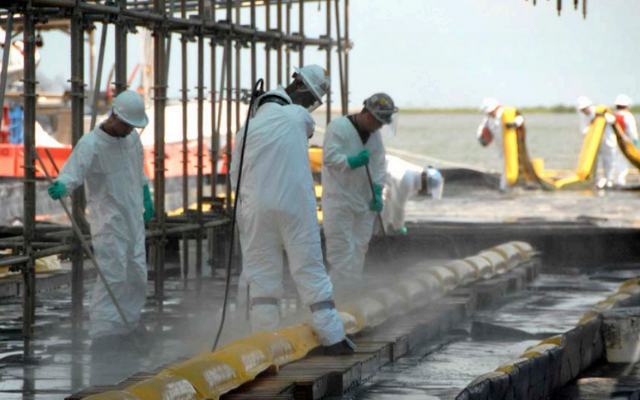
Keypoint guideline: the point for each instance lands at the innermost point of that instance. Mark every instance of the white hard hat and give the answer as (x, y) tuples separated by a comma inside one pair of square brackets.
[(623, 100), (583, 102), (129, 107), (488, 105), (316, 78)]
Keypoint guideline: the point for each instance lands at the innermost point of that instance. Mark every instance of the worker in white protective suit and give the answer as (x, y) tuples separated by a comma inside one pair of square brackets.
[(627, 122), (277, 209), (608, 150), (15, 67), (404, 179), (490, 130), (110, 161), (353, 154)]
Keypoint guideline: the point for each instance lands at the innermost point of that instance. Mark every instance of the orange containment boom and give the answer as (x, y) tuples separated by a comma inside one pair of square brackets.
[(12, 160)]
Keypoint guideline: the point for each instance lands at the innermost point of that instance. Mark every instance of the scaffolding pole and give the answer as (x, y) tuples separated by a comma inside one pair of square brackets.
[(301, 33), (164, 18), (5, 62), (78, 199), (328, 2), (185, 132), (279, 44), (340, 52), (121, 50), (200, 182), (159, 104), (29, 180), (346, 52)]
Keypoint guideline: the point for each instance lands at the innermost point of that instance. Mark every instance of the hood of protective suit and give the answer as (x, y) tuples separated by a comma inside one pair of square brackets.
[(279, 92)]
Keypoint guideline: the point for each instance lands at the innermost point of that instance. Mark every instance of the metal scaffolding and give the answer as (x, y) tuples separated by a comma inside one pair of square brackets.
[(576, 4), (191, 20)]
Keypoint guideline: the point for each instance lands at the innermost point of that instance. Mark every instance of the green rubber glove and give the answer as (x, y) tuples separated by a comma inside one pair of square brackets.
[(359, 160), (636, 142), (57, 190), (148, 204), (376, 203), (401, 231)]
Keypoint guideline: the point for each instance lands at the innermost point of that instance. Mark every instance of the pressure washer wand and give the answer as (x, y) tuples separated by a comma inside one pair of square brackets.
[(384, 231), (85, 245), (254, 93)]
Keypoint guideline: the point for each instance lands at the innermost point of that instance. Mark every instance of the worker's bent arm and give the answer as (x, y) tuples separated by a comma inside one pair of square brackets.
[(481, 127), (75, 169), (333, 147), (307, 121)]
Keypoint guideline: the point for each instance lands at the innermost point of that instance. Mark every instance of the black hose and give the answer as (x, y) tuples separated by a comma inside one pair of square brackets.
[(259, 84)]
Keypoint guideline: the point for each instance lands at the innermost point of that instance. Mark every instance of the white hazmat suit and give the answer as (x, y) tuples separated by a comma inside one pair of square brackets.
[(346, 194), (113, 171), (404, 179), (276, 213), (631, 129), (494, 125), (608, 150)]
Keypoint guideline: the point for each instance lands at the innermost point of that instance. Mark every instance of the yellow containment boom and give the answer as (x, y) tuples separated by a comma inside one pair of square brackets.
[(588, 161), (626, 146), (510, 143), (518, 165)]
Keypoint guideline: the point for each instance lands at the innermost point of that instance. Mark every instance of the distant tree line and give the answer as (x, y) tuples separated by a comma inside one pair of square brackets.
[(557, 109)]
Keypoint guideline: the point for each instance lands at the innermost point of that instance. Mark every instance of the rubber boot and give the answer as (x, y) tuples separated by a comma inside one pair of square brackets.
[(343, 348)]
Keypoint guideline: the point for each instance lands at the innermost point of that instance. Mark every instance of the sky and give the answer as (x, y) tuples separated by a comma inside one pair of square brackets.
[(437, 54)]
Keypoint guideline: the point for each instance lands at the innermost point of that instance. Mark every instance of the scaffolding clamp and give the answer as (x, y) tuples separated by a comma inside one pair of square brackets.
[(128, 25), (328, 45), (80, 93), (189, 35)]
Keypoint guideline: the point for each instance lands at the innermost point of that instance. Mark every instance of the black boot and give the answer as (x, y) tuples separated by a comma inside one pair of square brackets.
[(344, 348)]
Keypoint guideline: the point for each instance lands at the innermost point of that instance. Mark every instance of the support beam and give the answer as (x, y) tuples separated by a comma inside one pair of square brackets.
[(5, 62), (340, 53), (239, 45), (159, 104), (29, 180), (267, 47), (287, 70), (254, 71), (279, 44), (185, 131), (98, 79), (228, 60), (200, 181), (121, 51), (346, 52), (301, 33), (215, 133), (328, 102), (78, 199)]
